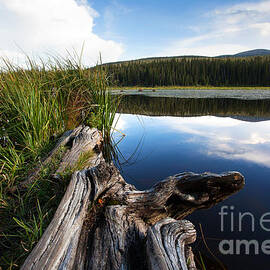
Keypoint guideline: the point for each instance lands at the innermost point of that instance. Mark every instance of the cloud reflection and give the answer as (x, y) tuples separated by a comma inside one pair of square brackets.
[(218, 136)]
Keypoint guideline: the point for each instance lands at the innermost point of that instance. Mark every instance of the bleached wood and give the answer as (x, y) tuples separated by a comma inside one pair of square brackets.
[(104, 223), (166, 242), (81, 140)]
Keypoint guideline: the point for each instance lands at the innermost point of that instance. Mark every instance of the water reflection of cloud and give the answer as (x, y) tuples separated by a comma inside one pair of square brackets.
[(120, 123), (228, 138), (125, 122), (220, 136)]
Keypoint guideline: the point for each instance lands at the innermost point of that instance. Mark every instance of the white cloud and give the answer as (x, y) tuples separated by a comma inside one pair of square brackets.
[(229, 30), (52, 27)]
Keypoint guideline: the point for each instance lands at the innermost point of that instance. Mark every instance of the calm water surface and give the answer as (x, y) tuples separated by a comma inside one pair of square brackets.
[(214, 136)]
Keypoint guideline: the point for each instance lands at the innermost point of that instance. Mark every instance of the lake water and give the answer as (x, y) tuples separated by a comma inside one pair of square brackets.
[(166, 136)]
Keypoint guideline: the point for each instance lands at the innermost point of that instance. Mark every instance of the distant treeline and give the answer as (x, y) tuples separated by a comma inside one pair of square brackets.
[(246, 71)]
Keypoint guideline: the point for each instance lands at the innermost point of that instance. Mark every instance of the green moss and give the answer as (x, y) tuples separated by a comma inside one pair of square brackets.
[(83, 160)]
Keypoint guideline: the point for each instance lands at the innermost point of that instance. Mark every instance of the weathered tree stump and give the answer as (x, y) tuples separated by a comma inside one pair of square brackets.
[(105, 223)]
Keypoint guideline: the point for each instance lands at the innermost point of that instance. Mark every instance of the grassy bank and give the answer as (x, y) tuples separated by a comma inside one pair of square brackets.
[(37, 104), (186, 88)]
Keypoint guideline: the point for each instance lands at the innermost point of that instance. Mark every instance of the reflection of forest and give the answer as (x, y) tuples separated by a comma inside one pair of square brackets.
[(249, 110)]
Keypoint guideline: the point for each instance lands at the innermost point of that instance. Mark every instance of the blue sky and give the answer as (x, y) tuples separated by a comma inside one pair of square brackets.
[(126, 29), (153, 27), (147, 27)]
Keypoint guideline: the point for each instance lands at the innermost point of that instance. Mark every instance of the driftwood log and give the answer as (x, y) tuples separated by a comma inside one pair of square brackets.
[(105, 223)]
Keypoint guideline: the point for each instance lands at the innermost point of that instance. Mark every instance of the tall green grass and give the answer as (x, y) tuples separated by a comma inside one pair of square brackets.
[(105, 104), (37, 104)]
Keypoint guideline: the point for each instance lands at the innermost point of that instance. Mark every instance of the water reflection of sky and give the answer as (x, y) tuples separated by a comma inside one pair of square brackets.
[(170, 145), (217, 136)]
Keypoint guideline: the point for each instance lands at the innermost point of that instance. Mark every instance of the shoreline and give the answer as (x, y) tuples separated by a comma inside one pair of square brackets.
[(250, 94), (190, 88)]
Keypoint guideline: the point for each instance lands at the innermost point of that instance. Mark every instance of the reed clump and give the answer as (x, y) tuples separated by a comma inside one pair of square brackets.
[(37, 104)]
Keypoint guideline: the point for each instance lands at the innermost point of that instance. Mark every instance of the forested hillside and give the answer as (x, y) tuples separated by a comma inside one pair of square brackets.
[(246, 71)]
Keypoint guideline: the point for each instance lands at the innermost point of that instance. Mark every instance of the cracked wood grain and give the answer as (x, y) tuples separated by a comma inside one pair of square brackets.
[(104, 223)]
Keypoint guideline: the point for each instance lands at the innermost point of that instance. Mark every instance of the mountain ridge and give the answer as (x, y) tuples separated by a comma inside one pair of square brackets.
[(249, 53), (255, 52)]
